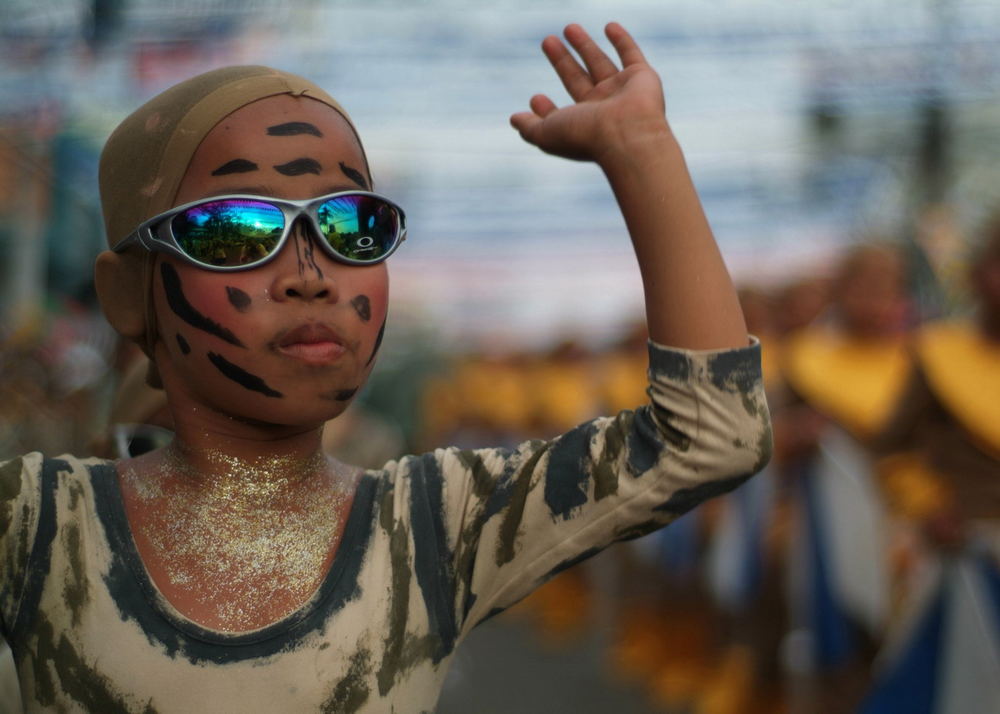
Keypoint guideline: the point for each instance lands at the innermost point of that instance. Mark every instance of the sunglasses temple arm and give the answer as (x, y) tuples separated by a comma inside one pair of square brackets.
[(129, 240)]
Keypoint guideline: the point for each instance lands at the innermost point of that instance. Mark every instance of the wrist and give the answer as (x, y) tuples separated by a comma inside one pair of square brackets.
[(638, 144)]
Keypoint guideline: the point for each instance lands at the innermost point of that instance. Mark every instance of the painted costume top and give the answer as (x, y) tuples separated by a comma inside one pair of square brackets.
[(433, 545)]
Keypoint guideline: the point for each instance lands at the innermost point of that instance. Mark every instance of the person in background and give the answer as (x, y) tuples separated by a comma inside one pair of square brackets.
[(945, 431), (841, 378)]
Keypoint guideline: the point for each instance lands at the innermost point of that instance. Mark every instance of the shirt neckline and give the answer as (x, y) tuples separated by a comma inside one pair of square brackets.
[(350, 551)]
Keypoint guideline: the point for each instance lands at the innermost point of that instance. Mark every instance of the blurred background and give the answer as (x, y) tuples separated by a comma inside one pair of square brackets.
[(810, 128)]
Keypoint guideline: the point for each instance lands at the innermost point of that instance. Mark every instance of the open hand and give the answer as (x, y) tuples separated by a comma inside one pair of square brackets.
[(611, 106)]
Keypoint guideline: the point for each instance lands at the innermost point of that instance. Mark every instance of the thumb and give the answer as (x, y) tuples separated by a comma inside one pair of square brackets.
[(529, 123), (528, 126)]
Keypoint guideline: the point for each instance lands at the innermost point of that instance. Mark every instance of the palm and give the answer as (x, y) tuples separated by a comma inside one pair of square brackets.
[(607, 101)]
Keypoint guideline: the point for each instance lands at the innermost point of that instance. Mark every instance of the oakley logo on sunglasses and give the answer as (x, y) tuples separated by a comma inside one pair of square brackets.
[(240, 232)]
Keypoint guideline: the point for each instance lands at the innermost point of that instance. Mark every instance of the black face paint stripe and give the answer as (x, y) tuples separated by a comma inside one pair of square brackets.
[(183, 344), (309, 250), (184, 310), (340, 395), (297, 167), (305, 252), (293, 128), (378, 342), (241, 376), (236, 166), (355, 176), (238, 299), (363, 306)]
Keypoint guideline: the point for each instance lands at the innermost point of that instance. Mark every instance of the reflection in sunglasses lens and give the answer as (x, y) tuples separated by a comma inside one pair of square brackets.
[(230, 232), (359, 227)]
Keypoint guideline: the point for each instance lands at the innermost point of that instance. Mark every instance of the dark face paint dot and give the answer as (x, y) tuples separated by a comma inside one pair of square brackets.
[(363, 306), (238, 299)]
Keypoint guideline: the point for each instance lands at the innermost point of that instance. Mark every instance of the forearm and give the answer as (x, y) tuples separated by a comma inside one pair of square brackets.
[(690, 300)]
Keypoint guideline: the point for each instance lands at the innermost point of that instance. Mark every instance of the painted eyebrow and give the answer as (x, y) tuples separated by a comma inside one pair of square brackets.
[(266, 192), (236, 166), (297, 167), (293, 128), (355, 176)]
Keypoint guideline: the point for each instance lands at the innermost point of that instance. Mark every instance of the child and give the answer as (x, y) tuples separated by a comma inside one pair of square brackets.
[(240, 569)]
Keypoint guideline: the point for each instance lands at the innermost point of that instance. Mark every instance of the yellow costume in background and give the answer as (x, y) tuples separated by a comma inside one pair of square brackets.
[(854, 382), (963, 370)]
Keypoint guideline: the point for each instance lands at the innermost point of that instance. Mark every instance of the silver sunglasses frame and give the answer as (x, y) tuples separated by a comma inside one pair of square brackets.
[(155, 234)]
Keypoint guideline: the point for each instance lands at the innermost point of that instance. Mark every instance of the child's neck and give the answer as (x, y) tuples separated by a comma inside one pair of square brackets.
[(256, 469), (259, 477)]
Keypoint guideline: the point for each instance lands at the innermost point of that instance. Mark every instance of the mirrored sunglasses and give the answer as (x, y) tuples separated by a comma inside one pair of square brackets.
[(240, 232)]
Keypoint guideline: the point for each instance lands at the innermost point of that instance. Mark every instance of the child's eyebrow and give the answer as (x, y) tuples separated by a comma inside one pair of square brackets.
[(355, 176), (293, 128), (297, 167), (236, 166)]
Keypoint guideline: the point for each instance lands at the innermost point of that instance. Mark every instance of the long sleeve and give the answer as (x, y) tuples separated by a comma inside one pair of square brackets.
[(490, 525)]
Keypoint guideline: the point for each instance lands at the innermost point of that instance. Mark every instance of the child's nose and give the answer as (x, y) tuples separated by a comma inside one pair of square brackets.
[(303, 271)]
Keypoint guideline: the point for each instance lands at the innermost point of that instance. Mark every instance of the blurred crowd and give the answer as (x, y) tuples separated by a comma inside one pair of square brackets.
[(832, 582)]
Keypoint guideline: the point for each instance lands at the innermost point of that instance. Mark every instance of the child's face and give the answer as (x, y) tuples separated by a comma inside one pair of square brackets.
[(288, 342)]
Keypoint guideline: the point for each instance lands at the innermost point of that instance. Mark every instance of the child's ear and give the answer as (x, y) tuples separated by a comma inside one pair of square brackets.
[(120, 282)]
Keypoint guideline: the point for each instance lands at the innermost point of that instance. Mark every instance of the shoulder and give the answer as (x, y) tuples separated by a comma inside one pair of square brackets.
[(24, 478), (18, 476)]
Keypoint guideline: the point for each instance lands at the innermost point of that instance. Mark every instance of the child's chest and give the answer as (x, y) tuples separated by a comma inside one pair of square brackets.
[(236, 566)]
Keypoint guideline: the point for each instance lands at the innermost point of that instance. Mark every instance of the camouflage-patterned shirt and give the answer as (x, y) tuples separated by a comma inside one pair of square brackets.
[(433, 545)]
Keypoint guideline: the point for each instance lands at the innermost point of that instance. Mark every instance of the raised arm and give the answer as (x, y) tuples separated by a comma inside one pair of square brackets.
[(617, 119)]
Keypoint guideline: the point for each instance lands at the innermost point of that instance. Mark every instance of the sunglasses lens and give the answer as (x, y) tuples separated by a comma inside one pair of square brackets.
[(360, 228), (228, 232)]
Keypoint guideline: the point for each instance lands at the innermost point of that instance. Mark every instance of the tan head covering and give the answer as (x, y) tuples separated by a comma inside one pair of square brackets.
[(146, 157)]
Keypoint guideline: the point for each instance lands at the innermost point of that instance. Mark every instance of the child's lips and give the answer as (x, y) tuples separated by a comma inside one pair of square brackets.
[(312, 343)]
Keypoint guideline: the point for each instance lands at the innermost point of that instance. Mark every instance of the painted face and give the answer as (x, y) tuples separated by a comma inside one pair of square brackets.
[(291, 341)]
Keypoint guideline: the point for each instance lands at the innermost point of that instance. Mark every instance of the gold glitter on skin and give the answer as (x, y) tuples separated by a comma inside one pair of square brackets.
[(242, 543)]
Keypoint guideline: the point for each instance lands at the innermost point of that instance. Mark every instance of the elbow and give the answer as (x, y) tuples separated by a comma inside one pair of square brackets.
[(764, 449), (741, 451)]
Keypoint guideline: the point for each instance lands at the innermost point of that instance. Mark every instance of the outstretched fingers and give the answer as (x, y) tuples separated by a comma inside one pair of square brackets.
[(579, 79), (574, 78), (598, 64), (624, 45)]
